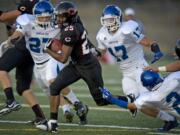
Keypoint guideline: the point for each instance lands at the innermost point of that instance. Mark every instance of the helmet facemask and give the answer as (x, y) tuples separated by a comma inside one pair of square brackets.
[(112, 23), (44, 20), (63, 18)]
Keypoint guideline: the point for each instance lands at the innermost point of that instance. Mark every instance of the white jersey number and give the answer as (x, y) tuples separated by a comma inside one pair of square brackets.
[(35, 44), (174, 98), (119, 52)]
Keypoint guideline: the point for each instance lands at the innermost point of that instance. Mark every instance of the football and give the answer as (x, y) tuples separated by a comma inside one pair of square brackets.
[(56, 45)]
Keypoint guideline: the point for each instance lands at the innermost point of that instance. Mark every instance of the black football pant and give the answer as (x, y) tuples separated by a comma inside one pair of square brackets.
[(89, 70), (22, 61)]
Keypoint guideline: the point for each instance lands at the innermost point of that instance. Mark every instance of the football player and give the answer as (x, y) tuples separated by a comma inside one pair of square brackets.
[(125, 42), (172, 67), (161, 101), (18, 57), (130, 14), (83, 64), (38, 31)]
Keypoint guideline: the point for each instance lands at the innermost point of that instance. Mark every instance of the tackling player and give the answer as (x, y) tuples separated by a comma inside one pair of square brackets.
[(125, 42), (172, 67), (161, 101)]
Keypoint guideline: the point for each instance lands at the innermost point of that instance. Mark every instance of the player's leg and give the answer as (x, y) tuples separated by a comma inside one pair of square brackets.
[(8, 61), (53, 68), (24, 74), (67, 76), (66, 109), (130, 89), (170, 121)]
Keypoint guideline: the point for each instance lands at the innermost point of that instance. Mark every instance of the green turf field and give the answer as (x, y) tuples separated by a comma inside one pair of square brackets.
[(109, 120)]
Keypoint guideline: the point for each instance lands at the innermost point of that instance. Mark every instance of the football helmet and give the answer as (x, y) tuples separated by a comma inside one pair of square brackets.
[(111, 17), (43, 12), (65, 13), (177, 48), (26, 6), (151, 80)]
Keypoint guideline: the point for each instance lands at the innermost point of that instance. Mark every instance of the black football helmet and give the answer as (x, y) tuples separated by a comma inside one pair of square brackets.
[(26, 6), (177, 48), (65, 13)]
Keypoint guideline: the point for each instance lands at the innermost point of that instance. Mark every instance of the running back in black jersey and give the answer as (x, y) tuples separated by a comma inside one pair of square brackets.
[(74, 35)]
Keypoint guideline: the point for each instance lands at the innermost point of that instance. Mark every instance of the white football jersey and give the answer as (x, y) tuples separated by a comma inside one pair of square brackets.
[(36, 37), (166, 97), (123, 45)]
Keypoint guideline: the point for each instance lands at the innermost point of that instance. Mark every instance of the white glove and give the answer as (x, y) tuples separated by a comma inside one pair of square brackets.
[(4, 46), (47, 45)]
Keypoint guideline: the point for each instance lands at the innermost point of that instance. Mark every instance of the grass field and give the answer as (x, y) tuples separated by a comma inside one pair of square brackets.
[(109, 120)]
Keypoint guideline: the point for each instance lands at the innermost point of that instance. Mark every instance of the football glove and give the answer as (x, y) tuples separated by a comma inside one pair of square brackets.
[(157, 56), (4, 46), (106, 94)]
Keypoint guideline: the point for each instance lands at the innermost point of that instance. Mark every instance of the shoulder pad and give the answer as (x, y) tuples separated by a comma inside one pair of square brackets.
[(101, 35), (24, 19), (128, 27)]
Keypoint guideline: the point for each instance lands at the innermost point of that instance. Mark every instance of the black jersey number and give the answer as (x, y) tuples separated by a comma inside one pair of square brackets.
[(85, 47)]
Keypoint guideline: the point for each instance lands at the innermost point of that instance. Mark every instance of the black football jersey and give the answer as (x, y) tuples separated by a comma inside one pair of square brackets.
[(75, 36)]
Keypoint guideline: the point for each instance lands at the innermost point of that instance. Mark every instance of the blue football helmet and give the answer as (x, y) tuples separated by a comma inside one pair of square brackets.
[(111, 17), (43, 12), (151, 80)]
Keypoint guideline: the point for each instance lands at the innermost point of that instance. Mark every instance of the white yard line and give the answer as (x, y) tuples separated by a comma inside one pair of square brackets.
[(91, 108), (156, 133), (98, 126)]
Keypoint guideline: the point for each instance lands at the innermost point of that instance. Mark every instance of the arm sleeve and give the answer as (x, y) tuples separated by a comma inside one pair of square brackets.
[(100, 45), (137, 35)]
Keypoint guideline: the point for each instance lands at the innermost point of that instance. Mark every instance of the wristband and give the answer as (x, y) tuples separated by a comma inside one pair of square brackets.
[(162, 69)]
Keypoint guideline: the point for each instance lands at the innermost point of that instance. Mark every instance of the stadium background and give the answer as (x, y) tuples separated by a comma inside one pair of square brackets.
[(160, 17)]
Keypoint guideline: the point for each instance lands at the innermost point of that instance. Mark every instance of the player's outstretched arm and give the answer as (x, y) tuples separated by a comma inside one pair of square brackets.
[(172, 67), (9, 16), (123, 104)]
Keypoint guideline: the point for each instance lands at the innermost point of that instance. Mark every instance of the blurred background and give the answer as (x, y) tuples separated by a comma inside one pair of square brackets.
[(161, 18)]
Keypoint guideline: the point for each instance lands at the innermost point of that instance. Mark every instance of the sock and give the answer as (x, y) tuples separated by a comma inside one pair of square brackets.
[(53, 116), (65, 108), (38, 112), (72, 97), (9, 95), (165, 116)]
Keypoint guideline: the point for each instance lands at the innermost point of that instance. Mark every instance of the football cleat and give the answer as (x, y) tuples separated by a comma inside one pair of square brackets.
[(14, 106), (36, 121), (50, 125), (131, 98), (68, 116), (81, 111), (168, 126)]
